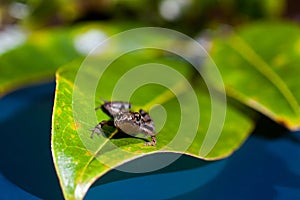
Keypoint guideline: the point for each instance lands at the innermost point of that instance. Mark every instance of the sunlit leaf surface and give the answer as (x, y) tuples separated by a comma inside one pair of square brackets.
[(260, 67), (80, 160)]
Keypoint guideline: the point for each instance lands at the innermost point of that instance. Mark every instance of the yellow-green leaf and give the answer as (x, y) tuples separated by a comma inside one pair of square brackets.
[(80, 160), (260, 67)]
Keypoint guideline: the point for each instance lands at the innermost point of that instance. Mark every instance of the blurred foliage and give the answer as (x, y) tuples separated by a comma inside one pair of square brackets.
[(188, 16), (44, 51)]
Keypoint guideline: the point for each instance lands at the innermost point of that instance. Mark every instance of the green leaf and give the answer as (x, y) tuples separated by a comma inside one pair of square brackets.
[(43, 52), (260, 67), (80, 160), (36, 60)]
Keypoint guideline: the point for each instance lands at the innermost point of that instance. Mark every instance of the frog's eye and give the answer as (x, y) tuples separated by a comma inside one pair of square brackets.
[(137, 116)]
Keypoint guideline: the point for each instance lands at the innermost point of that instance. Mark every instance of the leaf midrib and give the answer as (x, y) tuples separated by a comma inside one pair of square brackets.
[(245, 50)]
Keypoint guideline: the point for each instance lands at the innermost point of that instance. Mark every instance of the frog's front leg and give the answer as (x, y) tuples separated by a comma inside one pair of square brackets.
[(98, 127)]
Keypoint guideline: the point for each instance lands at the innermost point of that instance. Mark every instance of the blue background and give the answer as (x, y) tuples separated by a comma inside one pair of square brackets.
[(267, 166)]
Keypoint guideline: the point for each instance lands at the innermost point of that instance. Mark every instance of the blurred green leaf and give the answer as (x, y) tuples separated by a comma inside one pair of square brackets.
[(77, 167), (260, 67), (36, 60), (44, 51)]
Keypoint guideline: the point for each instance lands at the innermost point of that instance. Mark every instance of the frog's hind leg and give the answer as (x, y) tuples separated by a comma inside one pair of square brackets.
[(152, 142)]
